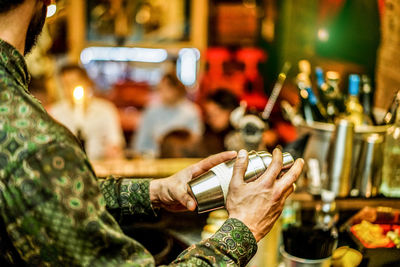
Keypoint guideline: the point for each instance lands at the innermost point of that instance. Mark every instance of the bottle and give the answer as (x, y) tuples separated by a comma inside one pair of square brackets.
[(305, 69), (305, 107), (290, 113), (335, 104), (321, 85), (318, 110), (391, 160), (326, 218), (390, 115), (326, 214), (366, 101), (354, 110), (291, 214)]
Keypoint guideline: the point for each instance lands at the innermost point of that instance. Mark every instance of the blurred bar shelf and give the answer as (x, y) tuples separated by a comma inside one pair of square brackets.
[(308, 201)]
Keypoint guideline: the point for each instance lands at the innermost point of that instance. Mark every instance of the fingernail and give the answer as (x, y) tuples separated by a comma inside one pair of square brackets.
[(242, 154), (190, 204), (301, 160)]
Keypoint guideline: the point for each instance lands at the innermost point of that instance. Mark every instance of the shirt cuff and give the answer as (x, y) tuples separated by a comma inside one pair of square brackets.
[(134, 197), (236, 240)]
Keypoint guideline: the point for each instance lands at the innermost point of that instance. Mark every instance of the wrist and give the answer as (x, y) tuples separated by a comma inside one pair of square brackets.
[(155, 188), (255, 233)]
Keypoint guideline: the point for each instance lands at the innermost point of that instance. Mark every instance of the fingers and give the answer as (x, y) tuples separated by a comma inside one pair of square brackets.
[(271, 174), (187, 201), (239, 169), (290, 176), (208, 163), (287, 193)]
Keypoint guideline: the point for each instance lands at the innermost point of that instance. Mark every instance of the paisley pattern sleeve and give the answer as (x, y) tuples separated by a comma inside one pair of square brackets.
[(130, 196), (232, 245)]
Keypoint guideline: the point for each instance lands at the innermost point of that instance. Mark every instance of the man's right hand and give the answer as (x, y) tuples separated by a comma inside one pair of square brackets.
[(258, 204)]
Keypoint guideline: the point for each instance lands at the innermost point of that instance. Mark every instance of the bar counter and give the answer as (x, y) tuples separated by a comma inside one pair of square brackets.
[(159, 168), (141, 168)]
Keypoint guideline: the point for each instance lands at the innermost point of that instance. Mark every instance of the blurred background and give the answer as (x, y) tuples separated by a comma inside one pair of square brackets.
[(126, 47)]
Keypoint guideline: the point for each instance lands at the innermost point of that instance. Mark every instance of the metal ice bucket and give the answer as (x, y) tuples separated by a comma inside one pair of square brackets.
[(320, 139)]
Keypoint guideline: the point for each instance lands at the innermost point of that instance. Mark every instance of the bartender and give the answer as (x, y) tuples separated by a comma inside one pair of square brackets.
[(53, 210)]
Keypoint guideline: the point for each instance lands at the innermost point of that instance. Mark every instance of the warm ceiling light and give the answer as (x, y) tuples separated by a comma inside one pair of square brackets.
[(323, 35)]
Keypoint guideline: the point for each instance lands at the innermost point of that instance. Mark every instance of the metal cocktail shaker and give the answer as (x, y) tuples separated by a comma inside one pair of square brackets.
[(211, 188)]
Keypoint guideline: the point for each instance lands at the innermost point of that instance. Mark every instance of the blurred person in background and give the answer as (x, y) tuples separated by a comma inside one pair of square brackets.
[(98, 124), (180, 143), (172, 111), (217, 110)]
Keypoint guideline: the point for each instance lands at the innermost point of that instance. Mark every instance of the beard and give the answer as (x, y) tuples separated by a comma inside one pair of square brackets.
[(34, 29)]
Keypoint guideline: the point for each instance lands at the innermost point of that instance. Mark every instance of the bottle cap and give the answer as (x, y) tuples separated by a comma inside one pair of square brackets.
[(327, 196), (305, 66), (354, 84), (332, 75)]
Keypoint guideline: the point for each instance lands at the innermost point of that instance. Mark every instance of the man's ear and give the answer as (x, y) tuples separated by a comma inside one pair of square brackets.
[(46, 2)]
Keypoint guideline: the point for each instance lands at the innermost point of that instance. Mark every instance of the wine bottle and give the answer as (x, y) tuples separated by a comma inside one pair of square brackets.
[(366, 101), (354, 110), (390, 115), (305, 108), (322, 86), (318, 110), (390, 186)]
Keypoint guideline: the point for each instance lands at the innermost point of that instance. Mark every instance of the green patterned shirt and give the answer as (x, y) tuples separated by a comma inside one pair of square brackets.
[(53, 209)]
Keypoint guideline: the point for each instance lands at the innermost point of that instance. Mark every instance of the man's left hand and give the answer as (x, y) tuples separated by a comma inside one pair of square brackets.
[(173, 193)]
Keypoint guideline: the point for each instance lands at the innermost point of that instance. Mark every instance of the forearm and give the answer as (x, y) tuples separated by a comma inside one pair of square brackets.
[(130, 196)]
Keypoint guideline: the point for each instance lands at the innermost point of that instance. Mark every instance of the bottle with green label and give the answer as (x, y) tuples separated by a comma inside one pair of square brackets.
[(391, 161)]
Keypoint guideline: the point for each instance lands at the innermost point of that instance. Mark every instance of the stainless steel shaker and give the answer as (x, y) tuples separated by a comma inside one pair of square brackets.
[(211, 188), (369, 166), (340, 157)]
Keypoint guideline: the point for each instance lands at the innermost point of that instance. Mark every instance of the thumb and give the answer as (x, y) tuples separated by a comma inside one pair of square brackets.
[(239, 169)]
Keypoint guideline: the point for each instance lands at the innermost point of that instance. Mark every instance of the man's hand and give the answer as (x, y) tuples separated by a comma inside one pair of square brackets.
[(173, 193), (258, 204)]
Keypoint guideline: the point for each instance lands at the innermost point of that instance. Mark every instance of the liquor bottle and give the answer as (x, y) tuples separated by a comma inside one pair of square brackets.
[(326, 215), (305, 69), (366, 101), (333, 97), (390, 115), (291, 114), (354, 110), (326, 218), (318, 110), (305, 107), (391, 160), (321, 85)]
